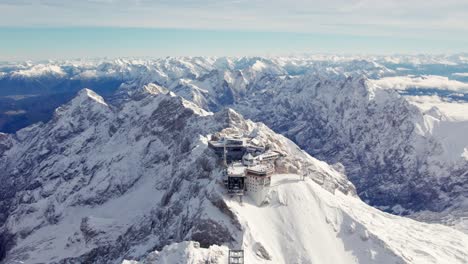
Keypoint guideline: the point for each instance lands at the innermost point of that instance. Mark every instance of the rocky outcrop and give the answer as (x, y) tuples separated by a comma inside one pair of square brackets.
[(372, 132), (108, 179)]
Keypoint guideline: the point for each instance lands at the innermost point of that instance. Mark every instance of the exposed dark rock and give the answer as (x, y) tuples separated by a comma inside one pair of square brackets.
[(261, 252), (208, 232)]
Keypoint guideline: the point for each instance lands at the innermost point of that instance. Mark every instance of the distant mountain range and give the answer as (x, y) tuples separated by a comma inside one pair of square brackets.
[(103, 179)]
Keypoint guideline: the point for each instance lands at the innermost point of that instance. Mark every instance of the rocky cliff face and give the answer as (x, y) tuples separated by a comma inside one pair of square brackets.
[(384, 142), (101, 182), (326, 105), (376, 134), (105, 180)]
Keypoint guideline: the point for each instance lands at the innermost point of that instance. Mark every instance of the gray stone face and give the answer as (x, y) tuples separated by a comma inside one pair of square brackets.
[(92, 153), (58, 164), (336, 116), (157, 145), (370, 132), (261, 251), (322, 105)]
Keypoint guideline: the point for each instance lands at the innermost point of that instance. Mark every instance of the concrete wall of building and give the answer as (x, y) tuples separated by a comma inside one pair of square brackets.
[(257, 188)]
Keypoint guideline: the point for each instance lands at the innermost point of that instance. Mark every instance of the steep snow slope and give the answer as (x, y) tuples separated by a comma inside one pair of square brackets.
[(372, 132), (101, 182), (303, 223), (448, 130), (186, 252), (85, 178), (451, 109), (401, 158)]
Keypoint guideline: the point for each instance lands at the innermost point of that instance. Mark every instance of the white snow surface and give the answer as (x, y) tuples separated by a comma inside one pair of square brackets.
[(185, 252), (103, 173), (446, 121), (451, 110), (40, 70), (300, 222), (309, 221)]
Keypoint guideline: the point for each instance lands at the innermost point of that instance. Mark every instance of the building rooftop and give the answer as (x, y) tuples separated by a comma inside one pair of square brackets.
[(269, 154), (248, 156), (229, 142), (260, 169), (236, 170)]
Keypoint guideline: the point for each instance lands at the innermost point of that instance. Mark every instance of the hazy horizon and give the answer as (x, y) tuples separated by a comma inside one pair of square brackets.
[(52, 29)]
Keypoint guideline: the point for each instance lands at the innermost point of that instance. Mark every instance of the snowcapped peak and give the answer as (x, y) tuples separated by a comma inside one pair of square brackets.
[(223, 63), (259, 65), (135, 91), (232, 117), (86, 103), (41, 70), (195, 108), (436, 113), (155, 89), (231, 111), (86, 94), (82, 181), (267, 67), (150, 89)]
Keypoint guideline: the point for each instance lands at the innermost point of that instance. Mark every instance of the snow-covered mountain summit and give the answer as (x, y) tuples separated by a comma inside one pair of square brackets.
[(386, 144), (398, 155), (105, 182), (79, 181), (324, 121), (96, 172)]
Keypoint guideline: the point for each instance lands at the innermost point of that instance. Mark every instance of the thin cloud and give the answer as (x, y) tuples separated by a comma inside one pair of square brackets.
[(415, 18), (424, 82)]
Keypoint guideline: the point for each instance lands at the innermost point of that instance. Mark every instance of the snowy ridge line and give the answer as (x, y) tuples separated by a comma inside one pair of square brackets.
[(130, 68), (86, 175), (248, 82), (300, 222)]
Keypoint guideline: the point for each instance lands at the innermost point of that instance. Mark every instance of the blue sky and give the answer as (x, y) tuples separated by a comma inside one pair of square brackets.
[(42, 29)]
